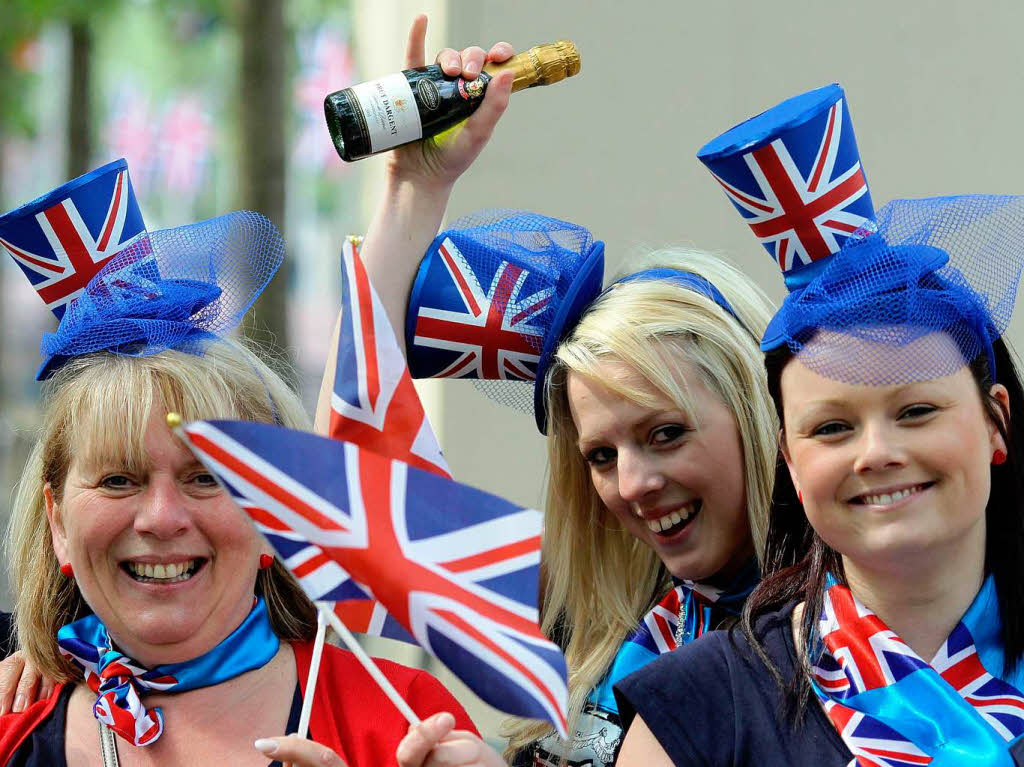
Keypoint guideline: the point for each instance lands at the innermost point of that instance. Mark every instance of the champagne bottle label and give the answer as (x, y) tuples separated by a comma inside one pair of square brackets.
[(389, 111)]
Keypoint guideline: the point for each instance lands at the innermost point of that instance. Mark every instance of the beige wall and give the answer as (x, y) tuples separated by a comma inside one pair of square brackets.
[(934, 90)]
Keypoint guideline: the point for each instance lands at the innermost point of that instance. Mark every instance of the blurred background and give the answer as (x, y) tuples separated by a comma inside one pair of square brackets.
[(217, 105)]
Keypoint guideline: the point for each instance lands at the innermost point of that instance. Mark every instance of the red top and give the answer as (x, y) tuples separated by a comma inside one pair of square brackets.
[(351, 714)]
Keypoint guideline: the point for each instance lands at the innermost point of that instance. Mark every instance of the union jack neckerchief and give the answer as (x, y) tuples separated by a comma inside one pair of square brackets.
[(119, 682), (893, 710), (701, 607)]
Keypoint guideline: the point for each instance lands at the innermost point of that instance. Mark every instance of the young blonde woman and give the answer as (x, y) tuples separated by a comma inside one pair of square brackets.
[(662, 437)]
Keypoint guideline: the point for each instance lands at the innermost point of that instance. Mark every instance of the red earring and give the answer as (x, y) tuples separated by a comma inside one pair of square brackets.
[(67, 570), (998, 458), (266, 560), (800, 495)]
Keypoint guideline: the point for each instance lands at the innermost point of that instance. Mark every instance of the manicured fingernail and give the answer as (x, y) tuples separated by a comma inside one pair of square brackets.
[(19, 704), (265, 746), (452, 62), (471, 70)]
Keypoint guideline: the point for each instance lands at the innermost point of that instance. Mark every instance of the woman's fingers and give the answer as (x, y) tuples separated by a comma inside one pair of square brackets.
[(481, 123), (421, 738), (10, 675), (473, 59), (501, 52), (298, 752), (25, 693), (415, 52), (450, 61)]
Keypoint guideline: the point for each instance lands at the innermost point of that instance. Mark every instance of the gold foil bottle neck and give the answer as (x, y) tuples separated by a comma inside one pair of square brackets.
[(541, 65)]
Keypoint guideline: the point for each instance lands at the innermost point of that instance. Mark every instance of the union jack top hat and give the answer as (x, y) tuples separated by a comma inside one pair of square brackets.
[(946, 264), (60, 240), (116, 287), (495, 294)]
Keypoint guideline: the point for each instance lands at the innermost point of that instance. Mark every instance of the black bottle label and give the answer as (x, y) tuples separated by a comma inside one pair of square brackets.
[(429, 97), (390, 111)]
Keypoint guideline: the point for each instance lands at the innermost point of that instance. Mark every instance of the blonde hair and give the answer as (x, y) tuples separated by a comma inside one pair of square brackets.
[(98, 405), (600, 580)]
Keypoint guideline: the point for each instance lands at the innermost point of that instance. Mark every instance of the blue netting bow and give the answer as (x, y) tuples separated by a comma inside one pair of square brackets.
[(171, 289), (890, 299)]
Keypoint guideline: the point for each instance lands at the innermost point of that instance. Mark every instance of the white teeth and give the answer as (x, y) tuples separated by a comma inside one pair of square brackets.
[(173, 572), (886, 499), (669, 520)]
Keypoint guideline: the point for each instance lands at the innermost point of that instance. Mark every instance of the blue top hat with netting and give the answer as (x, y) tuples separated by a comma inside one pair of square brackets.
[(909, 277), (495, 294), (129, 291)]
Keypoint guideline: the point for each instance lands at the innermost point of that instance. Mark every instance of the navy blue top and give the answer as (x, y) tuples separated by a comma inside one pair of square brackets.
[(45, 746), (713, 703)]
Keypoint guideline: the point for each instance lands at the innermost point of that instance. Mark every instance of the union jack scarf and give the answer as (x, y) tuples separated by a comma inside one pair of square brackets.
[(893, 710), (658, 631), (119, 682)]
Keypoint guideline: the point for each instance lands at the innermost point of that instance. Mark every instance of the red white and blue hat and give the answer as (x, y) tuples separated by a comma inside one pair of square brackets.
[(795, 176), (119, 288), (60, 240), (914, 272), (496, 293)]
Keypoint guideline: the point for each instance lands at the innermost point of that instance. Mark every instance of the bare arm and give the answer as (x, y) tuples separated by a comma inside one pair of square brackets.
[(418, 183), (641, 749)]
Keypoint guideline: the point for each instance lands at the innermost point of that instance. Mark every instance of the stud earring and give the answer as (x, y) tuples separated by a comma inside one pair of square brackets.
[(998, 458), (67, 570), (266, 560)]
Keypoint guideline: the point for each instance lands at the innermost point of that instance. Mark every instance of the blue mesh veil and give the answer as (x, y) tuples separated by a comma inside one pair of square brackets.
[(934, 269), (174, 288)]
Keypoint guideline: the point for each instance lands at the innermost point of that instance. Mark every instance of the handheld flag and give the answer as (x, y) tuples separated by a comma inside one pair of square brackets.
[(457, 567)]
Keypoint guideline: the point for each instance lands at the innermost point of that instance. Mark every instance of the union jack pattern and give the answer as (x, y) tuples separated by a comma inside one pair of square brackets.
[(116, 682), (493, 332), (455, 566), (374, 403), (802, 216), (78, 244), (657, 631), (864, 654), (871, 742)]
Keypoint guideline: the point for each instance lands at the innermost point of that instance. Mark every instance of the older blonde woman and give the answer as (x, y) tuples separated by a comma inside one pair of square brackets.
[(173, 633)]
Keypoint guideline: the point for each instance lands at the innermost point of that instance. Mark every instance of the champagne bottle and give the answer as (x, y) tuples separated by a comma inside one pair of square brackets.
[(419, 103)]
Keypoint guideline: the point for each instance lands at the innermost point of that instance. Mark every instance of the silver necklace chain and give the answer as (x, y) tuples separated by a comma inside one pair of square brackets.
[(681, 626)]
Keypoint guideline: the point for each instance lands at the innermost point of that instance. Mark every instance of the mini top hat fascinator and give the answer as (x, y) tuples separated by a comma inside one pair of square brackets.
[(542, 275), (494, 295), (119, 288), (915, 271)]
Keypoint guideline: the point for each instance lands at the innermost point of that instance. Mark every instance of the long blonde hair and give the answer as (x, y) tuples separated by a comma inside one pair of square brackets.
[(99, 405), (600, 580)]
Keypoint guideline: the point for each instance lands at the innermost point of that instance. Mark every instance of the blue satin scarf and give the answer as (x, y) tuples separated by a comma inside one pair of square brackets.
[(890, 707), (119, 682)]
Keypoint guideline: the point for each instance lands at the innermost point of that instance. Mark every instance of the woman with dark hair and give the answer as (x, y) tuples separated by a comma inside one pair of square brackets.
[(888, 628)]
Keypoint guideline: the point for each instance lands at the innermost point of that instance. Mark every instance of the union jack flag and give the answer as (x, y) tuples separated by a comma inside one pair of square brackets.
[(803, 211), (374, 403), (72, 240), (455, 566), (493, 331)]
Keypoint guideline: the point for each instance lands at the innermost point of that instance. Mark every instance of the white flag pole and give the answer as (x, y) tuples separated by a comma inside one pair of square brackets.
[(314, 671), (368, 664)]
